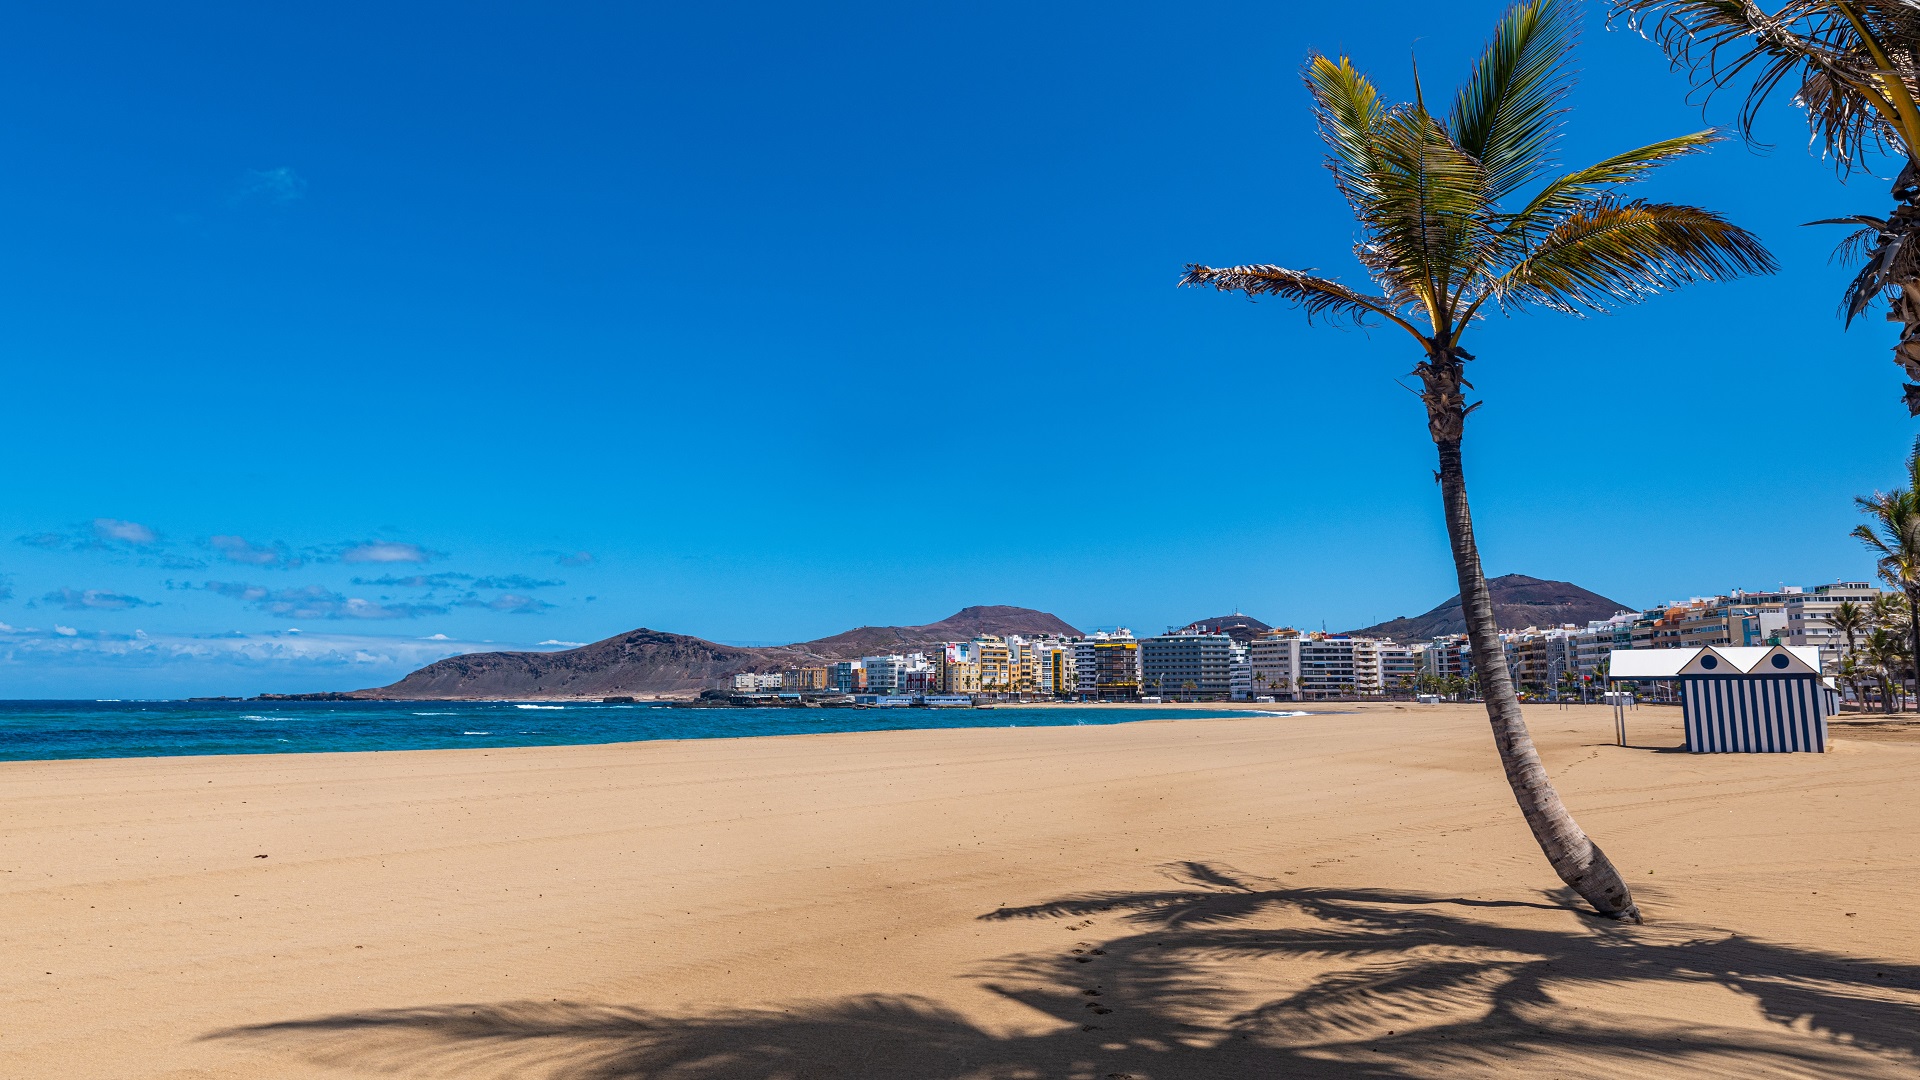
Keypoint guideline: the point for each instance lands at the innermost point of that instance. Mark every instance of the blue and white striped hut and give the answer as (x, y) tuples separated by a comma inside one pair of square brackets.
[(1761, 699)]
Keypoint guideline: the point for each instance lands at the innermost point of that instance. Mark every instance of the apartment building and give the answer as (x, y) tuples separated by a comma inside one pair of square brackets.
[(996, 663), (1187, 667), (1809, 619), (1274, 662), (848, 677), (1056, 673), (805, 679), (1399, 665), (1106, 675), (1447, 657), (1116, 669)]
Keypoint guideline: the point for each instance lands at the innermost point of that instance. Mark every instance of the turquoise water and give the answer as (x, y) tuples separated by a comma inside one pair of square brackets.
[(32, 730)]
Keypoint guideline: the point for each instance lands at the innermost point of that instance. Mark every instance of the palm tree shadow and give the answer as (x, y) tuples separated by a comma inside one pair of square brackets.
[(1403, 985)]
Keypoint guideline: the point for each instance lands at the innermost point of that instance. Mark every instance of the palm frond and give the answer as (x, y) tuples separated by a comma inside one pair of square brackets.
[(1348, 108), (1807, 47), (1319, 297), (1430, 219), (1614, 252), (1506, 114), (1573, 190)]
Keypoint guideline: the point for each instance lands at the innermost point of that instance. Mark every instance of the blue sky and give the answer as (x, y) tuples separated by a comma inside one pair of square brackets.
[(427, 327)]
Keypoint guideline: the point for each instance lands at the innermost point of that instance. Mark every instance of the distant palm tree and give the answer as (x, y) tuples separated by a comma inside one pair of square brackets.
[(1854, 67), (1446, 229), (1894, 538), (1887, 653), (1850, 619)]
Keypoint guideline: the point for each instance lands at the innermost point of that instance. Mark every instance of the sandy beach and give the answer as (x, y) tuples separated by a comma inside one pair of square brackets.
[(1350, 893)]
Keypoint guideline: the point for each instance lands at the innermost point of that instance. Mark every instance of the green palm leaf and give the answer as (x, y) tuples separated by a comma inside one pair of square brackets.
[(1506, 115), (1617, 252)]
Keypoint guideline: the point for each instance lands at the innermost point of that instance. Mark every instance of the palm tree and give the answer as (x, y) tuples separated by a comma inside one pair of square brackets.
[(1887, 653), (1445, 230), (1854, 67), (1850, 619), (1894, 538)]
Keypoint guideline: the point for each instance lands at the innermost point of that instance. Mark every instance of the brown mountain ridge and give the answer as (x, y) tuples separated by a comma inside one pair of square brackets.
[(655, 663), (1519, 601)]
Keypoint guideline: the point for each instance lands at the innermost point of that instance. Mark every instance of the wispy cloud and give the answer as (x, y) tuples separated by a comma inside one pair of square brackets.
[(509, 603), (100, 534), (317, 602), (277, 186), (6, 588), (386, 551), (64, 643), (459, 581), (272, 556), (564, 644), (132, 533), (94, 600), (577, 558)]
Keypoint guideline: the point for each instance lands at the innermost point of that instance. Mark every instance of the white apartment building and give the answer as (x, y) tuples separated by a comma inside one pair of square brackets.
[(1056, 668), (1315, 667), (749, 682), (1240, 673), (1808, 621), (1399, 666), (1273, 662), (888, 674)]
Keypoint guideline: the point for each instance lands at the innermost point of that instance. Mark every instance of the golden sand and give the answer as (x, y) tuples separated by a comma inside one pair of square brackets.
[(1344, 894)]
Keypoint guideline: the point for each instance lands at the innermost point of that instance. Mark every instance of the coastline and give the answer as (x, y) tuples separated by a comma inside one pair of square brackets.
[(533, 911)]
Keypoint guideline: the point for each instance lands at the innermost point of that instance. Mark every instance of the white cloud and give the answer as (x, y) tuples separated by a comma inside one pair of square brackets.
[(385, 551), (125, 532), (280, 647), (567, 644), (443, 637)]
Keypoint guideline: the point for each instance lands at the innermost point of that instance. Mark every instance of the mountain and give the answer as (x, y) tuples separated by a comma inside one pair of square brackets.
[(1241, 628), (966, 623), (1518, 602), (656, 663), (642, 661)]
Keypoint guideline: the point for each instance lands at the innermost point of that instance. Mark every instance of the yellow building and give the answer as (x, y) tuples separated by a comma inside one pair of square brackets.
[(996, 664)]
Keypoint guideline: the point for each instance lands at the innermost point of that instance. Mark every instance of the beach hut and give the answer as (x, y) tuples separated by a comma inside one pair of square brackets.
[(1760, 699)]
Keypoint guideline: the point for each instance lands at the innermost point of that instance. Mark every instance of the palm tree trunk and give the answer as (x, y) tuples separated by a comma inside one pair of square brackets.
[(1576, 858), (1913, 622)]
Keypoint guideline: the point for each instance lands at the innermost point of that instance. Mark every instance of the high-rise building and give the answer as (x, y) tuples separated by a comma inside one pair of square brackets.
[(1189, 667)]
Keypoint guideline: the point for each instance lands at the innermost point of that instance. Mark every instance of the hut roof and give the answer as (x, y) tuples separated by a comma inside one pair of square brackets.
[(1725, 660)]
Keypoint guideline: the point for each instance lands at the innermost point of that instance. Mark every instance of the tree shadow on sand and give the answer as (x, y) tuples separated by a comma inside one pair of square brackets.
[(1356, 983)]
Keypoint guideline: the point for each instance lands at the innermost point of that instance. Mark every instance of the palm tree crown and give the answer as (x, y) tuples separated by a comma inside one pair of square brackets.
[(1447, 224)]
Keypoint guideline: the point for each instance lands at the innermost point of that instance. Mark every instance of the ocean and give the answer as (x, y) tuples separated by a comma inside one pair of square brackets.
[(36, 730)]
